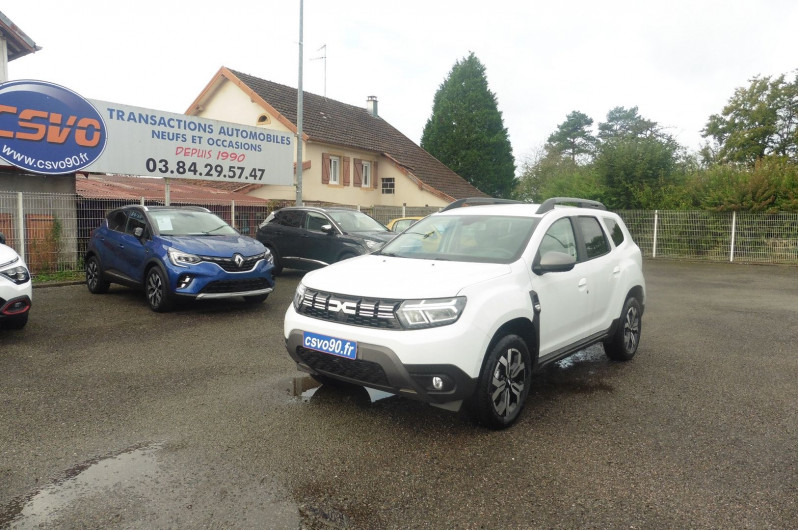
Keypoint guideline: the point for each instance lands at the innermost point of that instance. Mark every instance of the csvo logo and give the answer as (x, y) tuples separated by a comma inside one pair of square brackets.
[(46, 128)]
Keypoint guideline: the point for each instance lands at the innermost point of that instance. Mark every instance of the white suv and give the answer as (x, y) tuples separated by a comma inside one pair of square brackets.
[(16, 289), (466, 303)]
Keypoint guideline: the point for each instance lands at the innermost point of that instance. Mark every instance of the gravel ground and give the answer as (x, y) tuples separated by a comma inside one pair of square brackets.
[(112, 416)]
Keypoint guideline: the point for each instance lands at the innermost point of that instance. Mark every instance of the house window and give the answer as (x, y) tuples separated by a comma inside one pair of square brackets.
[(366, 182), (388, 186), (335, 170)]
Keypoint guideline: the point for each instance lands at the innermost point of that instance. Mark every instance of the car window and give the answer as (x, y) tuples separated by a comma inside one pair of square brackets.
[(354, 221), (290, 218), (117, 221), (135, 220), (473, 238), (402, 224), (615, 231), (595, 240), (190, 223), (314, 221), (559, 238)]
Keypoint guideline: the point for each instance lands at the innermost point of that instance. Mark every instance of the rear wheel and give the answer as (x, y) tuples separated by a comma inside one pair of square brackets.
[(94, 276), (622, 346), (157, 290), (504, 383)]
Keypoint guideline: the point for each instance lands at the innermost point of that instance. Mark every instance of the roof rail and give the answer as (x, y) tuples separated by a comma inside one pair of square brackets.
[(478, 201), (549, 204)]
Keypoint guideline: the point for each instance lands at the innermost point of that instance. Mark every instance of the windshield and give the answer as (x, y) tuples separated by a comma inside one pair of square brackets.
[(476, 238), (354, 221), (190, 223)]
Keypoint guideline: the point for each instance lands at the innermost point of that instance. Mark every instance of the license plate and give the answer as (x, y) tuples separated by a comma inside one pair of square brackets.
[(331, 345)]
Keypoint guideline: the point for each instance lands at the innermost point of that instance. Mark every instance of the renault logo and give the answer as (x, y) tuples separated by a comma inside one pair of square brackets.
[(239, 259)]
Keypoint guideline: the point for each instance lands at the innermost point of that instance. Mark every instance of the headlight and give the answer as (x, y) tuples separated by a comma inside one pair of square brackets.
[(268, 256), (416, 314), (373, 245), (182, 259), (299, 295), (18, 274)]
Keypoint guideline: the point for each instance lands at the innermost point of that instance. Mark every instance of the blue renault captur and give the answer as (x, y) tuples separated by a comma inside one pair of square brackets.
[(177, 252)]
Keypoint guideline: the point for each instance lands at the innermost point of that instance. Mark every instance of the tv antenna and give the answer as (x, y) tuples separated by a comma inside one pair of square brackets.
[(323, 57)]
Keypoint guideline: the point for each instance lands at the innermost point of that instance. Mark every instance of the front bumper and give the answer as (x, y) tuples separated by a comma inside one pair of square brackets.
[(15, 306), (379, 367), (210, 281)]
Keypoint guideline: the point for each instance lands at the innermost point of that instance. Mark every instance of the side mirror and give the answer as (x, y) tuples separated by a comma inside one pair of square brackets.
[(138, 232), (554, 262), (327, 229), (2, 239)]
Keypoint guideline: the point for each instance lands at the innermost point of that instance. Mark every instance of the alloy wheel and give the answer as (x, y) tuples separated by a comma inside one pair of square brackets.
[(507, 387)]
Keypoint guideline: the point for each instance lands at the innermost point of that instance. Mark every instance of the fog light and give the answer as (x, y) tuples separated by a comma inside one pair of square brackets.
[(437, 383), (184, 281)]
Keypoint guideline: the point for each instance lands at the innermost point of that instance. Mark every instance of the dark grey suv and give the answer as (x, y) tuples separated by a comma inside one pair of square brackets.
[(309, 238)]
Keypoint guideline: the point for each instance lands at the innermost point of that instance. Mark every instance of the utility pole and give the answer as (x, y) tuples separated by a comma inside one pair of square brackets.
[(299, 115)]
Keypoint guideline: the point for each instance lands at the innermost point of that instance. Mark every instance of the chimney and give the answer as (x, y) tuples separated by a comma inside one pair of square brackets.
[(371, 106)]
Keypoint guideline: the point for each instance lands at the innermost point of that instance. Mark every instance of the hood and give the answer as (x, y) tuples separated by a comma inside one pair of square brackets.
[(379, 236), (8, 254), (217, 246), (401, 278)]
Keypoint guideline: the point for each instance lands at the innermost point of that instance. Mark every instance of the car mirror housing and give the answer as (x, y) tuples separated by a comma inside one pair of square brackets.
[(554, 262), (138, 232), (327, 229)]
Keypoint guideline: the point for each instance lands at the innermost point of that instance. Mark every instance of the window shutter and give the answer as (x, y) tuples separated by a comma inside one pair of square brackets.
[(345, 170), (358, 172), (374, 180), (325, 168)]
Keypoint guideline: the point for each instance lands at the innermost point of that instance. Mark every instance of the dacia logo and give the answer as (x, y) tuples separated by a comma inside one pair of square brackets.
[(349, 308), (239, 259)]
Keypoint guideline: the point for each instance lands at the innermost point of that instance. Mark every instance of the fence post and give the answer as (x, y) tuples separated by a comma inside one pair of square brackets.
[(733, 233), (404, 209), (21, 225), (233, 213), (654, 246)]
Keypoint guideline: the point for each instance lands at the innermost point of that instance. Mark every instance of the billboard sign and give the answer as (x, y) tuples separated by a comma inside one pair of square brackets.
[(46, 128), (163, 144)]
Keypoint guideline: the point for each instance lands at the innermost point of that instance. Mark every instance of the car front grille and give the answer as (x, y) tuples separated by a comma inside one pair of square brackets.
[(356, 369), (351, 310), (236, 286), (230, 265)]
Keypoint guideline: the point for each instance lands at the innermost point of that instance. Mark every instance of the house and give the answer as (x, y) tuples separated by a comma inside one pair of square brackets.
[(350, 155)]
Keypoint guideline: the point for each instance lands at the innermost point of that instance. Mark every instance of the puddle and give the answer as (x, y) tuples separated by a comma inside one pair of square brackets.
[(90, 478), (305, 387), (590, 355)]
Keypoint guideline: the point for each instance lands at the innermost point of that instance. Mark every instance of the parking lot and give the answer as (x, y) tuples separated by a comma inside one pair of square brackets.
[(112, 416)]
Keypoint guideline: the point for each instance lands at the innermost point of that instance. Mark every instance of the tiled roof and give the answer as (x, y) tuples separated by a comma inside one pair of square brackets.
[(133, 188), (332, 122)]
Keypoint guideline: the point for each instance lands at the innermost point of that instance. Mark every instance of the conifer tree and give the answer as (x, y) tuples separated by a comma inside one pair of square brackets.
[(466, 130)]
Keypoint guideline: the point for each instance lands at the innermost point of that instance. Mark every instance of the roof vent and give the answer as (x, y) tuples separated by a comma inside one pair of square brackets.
[(371, 106)]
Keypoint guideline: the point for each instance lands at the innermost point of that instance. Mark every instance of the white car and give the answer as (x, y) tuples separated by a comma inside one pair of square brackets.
[(16, 290), (465, 304)]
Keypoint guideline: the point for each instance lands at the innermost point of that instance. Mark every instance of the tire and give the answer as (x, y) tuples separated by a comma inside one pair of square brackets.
[(256, 299), (622, 346), (504, 383), (17, 321), (278, 265), (156, 289), (94, 276)]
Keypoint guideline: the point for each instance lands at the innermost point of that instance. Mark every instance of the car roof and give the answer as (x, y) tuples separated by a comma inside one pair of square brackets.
[(504, 207)]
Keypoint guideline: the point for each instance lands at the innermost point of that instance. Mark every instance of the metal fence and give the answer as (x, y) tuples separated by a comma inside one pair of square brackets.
[(52, 230)]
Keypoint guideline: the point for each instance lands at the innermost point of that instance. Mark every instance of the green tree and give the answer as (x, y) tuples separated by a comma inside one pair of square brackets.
[(636, 160), (547, 174), (573, 138), (466, 130), (758, 120)]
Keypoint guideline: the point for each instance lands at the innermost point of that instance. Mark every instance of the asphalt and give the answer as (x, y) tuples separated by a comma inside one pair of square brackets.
[(112, 416)]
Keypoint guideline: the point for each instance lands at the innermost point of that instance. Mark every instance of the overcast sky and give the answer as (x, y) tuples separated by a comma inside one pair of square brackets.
[(679, 61)]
